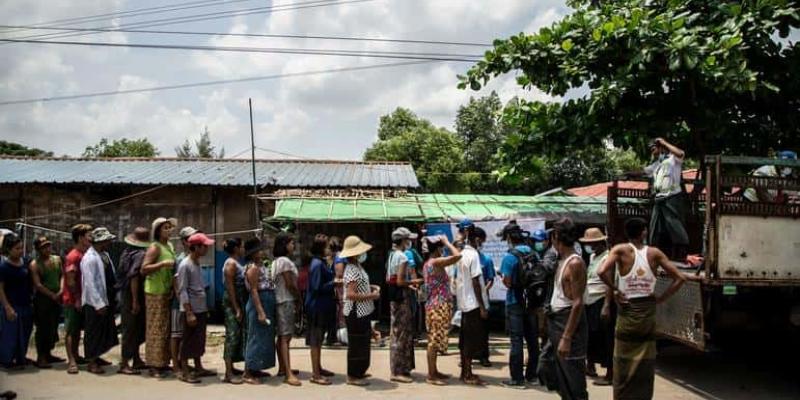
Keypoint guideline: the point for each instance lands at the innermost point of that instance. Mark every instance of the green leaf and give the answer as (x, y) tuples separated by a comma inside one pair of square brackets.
[(567, 45), (597, 35)]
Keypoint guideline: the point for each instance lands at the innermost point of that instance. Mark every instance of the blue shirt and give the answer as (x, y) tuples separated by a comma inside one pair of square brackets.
[(509, 268), (17, 283), (320, 295), (487, 266)]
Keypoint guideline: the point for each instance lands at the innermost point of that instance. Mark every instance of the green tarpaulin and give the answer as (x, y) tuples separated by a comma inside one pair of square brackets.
[(437, 207)]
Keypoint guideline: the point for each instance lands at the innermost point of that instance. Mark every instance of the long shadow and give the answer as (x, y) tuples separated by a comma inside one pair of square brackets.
[(732, 374)]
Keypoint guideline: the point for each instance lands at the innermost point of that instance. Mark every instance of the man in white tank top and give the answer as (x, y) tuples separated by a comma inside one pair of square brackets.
[(567, 328), (634, 283)]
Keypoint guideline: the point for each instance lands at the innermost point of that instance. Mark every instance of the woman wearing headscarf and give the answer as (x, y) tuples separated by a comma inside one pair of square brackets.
[(158, 269), (260, 309)]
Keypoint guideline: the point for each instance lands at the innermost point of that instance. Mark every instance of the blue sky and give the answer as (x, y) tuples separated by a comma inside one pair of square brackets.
[(323, 116)]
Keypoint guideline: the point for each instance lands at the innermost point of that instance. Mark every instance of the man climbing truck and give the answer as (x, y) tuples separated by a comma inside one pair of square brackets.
[(743, 254)]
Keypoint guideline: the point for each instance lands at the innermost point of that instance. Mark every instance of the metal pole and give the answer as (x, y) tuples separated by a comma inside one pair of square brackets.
[(253, 162)]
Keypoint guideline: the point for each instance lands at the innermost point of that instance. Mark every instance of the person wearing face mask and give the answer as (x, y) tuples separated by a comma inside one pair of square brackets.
[(599, 307), (771, 196), (401, 284), (667, 226)]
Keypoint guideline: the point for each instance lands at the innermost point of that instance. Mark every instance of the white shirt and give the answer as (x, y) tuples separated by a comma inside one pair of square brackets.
[(640, 281), (469, 267), (560, 301), (666, 175), (595, 287), (93, 279), (279, 266)]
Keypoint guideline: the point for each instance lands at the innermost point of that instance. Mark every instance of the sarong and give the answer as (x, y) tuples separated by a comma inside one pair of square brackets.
[(401, 349), (15, 336), (471, 336), (235, 331), (133, 326), (438, 324), (260, 348), (193, 344), (100, 333), (157, 308), (46, 313), (599, 351), (667, 226), (359, 334), (635, 350), (570, 372)]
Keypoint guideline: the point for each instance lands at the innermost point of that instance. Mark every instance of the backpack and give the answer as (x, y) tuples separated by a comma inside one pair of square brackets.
[(531, 278)]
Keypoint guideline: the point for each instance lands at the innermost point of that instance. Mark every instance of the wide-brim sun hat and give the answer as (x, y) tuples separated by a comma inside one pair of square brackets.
[(102, 234), (354, 246), (593, 235), (157, 224), (138, 238)]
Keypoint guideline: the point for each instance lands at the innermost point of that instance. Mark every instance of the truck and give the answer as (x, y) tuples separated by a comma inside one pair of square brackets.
[(749, 279)]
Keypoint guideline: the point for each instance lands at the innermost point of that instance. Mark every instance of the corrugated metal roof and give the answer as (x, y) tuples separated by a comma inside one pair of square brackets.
[(160, 171)]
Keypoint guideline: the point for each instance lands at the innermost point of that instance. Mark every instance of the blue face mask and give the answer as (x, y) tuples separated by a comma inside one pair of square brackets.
[(588, 249), (362, 258), (538, 246)]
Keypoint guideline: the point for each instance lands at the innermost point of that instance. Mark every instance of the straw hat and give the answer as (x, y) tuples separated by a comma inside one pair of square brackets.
[(138, 238), (354, 246), (593, 235), (157, 224)]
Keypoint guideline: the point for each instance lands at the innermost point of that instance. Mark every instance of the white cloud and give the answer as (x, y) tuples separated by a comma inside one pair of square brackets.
[(328, 116)]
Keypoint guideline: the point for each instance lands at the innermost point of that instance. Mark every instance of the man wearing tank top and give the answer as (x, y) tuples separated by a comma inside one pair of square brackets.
[(567, 328), (634, 283)]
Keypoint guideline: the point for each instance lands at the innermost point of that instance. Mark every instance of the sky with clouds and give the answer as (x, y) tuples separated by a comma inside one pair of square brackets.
[(321, 116)]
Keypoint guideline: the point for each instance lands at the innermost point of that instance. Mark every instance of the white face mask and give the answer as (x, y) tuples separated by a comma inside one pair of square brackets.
[(362, 258)]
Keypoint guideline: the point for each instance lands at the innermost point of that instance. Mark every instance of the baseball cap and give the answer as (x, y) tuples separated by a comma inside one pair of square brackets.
[(403, 233), (539, 235), (200, 238), (465, 223), (41, 241)]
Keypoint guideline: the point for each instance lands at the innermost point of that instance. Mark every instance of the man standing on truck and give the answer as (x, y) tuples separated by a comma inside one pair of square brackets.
[(667, 228), (771, 196), (634, 286)]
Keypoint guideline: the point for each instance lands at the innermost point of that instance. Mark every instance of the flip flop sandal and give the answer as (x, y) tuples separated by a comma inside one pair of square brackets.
[(128, 371), (295, 382), (205, 373), (283, 373), (401, 379), (72, 369), (320, 381), (189, 379), (103, 363), (357, 382), (97, 371), (234, 380), (251, 381), (42, 365), (443, 377), (435, 382), (326, 373), (475, 381)]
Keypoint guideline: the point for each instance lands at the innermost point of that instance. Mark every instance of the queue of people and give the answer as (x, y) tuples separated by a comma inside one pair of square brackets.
[(603, 313)]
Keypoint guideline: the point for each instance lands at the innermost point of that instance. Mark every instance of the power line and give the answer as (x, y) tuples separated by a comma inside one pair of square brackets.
[(256, 35), (128, 13), (275, 50), (209, 83), (208, 16)]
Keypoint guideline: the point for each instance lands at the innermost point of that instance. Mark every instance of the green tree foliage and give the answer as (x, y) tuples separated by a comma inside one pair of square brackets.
[(435, 153), (121, 148), (16, 149), (710, 76), (202, 148)]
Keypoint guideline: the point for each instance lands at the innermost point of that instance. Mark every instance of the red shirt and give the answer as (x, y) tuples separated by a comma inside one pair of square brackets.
[(72, 297)]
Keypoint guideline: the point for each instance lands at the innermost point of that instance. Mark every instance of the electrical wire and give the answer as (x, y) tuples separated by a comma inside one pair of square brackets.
[(124, 14), (255, 35), (209, 83), (471, 58), (208, 17)]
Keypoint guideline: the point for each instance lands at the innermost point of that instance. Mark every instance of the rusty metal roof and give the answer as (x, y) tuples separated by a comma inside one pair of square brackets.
[(230, 172)]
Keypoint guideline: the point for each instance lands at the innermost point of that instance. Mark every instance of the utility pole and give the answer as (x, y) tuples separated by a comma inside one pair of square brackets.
[(253, 163)]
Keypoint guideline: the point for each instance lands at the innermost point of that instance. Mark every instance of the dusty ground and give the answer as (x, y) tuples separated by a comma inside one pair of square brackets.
[(682, 374)]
